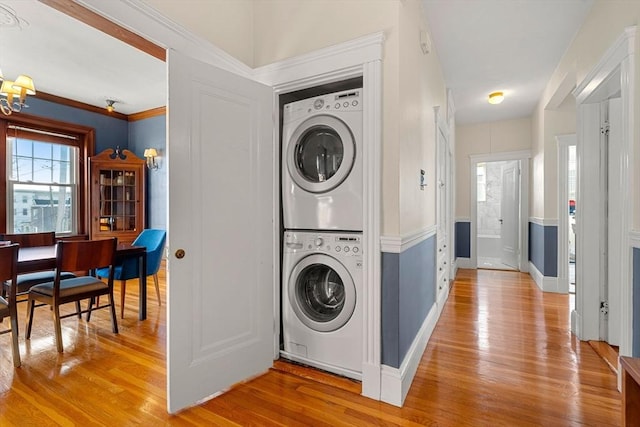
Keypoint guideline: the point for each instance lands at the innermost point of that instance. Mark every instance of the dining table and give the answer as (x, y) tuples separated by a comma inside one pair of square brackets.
[(39, 258)]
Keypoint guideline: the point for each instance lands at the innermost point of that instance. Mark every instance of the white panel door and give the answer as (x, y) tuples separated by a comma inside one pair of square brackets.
[(220, 293), (615, 233), (510, 212)]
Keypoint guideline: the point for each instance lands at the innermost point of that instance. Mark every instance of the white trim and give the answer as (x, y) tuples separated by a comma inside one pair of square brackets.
[(564, 142), (634, 239), (399, 244), (498, 157), (464, 263), (523, 157), (621, 49), (396, 382), (545, 222), (545, 283), (595, 88), (327, 63), (142, 19), (372, 190), (462, 219)]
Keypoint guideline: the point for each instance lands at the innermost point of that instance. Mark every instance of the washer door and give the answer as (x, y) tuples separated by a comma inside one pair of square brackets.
[(320, 153), (322, 293)]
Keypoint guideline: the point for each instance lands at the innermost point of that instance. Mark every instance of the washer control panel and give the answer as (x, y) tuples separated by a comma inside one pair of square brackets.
[(343, 244), (348, 100)]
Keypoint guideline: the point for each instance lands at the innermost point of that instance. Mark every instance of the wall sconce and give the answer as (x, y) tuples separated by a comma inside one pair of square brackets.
[(150, 154)]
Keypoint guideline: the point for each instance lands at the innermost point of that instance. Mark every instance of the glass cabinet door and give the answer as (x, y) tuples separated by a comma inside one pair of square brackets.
[(117, 200)]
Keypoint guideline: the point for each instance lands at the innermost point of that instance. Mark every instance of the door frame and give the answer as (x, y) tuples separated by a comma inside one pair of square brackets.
[(614, 72), (445, 245), (564, 142), (361, 57), (523, 157)]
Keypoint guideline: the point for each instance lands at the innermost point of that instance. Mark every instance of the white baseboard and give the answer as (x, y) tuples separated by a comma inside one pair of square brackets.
[(442, 299), (575, 323), (464, 263), (371, 381), (545, 283), (395, 383)]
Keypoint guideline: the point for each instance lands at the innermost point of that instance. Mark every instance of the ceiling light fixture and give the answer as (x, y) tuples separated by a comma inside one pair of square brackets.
[(496, 97), (110, 107)]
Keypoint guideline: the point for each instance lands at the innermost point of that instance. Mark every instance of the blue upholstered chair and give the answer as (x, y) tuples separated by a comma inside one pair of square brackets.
[(153, 240)]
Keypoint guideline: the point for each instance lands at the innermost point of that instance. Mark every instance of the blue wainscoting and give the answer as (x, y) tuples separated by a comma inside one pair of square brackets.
[(463, 239), (408, 294), (636, 303), (543, 248)]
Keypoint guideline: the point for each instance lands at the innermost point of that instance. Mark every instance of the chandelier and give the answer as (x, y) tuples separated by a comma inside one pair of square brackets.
[(14, 93)]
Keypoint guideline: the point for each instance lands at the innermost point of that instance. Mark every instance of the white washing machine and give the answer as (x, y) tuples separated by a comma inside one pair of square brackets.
[(322, 163), (322, 301)]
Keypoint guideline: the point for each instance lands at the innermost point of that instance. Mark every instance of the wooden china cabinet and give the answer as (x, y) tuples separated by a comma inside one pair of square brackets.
[(117, 194)]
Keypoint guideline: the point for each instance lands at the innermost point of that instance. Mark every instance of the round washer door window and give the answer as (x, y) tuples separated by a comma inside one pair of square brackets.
[(320, 153), (322, 293)]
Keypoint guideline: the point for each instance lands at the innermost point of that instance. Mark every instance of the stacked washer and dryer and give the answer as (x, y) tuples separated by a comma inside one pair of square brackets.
[(322, 245)]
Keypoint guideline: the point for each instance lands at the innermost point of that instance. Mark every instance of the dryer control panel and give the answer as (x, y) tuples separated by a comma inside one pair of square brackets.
[(337, 243), (348, 100)]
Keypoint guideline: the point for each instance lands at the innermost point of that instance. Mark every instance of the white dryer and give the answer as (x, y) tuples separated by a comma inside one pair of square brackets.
[(322, 301), (322, 163)]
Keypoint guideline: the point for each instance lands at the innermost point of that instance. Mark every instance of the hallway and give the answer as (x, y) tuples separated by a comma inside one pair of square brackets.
[(502, 354)]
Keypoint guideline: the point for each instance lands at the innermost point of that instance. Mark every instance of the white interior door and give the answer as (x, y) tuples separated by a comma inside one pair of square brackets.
[(615, 233), (510, 213), (220, 291)]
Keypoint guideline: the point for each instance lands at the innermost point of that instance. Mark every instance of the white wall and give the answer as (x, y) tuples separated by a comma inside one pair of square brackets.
[(286, 28), (485, 138), (604, 24), (260, 32), (421, 87), (226, 23)]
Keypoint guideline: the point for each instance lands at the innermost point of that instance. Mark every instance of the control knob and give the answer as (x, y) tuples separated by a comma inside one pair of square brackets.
[(319, 241)]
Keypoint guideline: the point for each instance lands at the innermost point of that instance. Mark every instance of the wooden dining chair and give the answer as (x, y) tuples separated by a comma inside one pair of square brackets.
[(81, 255), (27, 280), (8, 273)]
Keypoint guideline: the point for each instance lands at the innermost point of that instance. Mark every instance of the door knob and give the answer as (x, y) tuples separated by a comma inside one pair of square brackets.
[(180, 253)]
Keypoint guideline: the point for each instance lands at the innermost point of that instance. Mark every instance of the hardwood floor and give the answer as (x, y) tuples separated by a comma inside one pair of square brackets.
[(501, 354)]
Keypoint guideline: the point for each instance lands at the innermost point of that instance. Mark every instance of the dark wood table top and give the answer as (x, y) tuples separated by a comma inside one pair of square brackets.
[(44, 257)]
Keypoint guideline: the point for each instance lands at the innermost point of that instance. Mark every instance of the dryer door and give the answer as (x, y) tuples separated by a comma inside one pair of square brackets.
[(320, 153), (322, 293)]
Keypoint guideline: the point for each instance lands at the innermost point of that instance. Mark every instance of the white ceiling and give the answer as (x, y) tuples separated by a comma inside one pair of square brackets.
[(483, 46), (70, 59), (501, 45)]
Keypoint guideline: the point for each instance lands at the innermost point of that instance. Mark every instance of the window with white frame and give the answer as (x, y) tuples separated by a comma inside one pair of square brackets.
[(42, 182), (481, 180)]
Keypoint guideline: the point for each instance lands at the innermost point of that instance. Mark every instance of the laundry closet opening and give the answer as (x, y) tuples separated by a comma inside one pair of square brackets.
[(498, 214), (321, 227)]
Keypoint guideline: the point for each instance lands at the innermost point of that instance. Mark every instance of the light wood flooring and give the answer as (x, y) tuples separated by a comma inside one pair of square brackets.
[(501, 355)]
